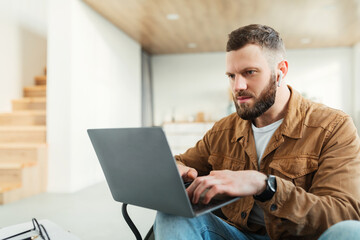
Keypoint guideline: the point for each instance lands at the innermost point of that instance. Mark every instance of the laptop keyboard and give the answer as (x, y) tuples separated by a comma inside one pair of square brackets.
[(203, 207)]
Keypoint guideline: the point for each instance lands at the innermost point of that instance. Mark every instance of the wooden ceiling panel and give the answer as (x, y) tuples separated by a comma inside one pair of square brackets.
[(207, 23)]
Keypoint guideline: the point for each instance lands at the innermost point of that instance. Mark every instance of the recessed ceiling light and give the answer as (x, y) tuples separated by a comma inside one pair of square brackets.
[(192, 45), (305, 40), (329, 7), (172, 16)]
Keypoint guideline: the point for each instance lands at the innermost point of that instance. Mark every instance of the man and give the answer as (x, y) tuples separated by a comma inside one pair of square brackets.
[(295, 163)]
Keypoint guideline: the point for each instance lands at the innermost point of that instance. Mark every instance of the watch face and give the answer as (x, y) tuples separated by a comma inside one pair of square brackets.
[(272, 183)]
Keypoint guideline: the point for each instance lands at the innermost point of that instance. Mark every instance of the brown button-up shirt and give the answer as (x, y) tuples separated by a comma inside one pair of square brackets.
[(315, 156)]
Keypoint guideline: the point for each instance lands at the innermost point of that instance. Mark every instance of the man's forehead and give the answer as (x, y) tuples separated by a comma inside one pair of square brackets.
[(250, 55)]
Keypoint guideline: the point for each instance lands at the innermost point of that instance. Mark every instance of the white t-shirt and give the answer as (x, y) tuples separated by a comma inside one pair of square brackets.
[(262, 137)]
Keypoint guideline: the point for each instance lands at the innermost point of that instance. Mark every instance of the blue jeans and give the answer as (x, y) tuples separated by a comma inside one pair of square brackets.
[(209, 226), (345, 230)]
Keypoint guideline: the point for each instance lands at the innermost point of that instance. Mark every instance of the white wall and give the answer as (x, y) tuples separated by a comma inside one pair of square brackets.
[(187, 83), (23, 43), (324, 75), (94, 77)]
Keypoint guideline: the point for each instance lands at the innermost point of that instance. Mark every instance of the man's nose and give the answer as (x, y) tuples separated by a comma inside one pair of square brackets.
[(240, 83)]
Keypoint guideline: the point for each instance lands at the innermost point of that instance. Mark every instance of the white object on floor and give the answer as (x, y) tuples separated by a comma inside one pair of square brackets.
[(54, 231)]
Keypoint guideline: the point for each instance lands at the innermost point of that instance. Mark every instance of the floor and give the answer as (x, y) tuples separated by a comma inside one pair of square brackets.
[(89, 214)]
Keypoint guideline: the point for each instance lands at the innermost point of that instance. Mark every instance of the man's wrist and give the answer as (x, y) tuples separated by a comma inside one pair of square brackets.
[(262, 183), (269, 191)]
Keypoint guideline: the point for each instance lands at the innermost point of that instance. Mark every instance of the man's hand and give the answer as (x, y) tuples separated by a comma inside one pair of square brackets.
[(226, 182), (188, 174)]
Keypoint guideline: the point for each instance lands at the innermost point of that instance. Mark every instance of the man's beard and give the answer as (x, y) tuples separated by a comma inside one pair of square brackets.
[(262, 103)]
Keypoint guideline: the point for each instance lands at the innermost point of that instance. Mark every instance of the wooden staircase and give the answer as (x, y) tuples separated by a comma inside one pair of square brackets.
[(23, 148)]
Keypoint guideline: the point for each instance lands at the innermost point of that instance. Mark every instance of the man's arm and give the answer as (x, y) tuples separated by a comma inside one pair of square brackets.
[(226, 182), (334, 195), (223, 182)]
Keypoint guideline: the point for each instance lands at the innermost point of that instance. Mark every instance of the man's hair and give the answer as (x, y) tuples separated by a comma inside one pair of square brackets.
[(264, 36)]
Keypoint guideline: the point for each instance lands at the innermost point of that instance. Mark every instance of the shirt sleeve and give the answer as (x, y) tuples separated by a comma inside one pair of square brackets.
[(334, 194)]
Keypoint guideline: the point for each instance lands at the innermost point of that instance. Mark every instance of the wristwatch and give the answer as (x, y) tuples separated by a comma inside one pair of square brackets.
[(270, 190)]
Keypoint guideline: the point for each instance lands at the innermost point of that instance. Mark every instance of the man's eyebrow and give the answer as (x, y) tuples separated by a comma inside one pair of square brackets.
[(245, 69), (251, 68)]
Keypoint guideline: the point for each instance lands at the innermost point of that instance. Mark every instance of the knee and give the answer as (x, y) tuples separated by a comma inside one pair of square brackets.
[(349, 229), (163, 218), (346, 226), (172, 227)]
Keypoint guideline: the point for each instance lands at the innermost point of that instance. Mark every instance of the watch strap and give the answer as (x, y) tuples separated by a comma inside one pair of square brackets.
[(270, 190)]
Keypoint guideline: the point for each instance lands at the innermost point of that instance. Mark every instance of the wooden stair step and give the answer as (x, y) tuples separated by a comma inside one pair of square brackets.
[(35, 117), (9, 168), (17, 166), (22, 134), (6, 187), (27, 175), (36, 103), (11, 172), (24, 152), (9, 192), (35, 91), (40, 80)]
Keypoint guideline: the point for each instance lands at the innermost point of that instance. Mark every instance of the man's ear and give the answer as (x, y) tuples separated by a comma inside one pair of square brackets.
[(283, 68)]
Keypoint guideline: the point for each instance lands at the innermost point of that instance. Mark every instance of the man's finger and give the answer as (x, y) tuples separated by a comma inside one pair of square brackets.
[(192, 174), (215, 190), (200, 190)]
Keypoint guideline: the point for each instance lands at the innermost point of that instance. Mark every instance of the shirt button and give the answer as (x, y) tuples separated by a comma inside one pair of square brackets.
[(273, 207), (243, 215)]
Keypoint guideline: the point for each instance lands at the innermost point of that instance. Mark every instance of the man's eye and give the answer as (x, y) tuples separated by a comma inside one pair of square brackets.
[(231, 76), (250, 72)]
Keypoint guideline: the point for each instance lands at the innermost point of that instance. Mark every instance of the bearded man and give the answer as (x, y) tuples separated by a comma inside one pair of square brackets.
[(294, 163)]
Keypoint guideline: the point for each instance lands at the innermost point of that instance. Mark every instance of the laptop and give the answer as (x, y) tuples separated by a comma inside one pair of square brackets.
[(140, 170)]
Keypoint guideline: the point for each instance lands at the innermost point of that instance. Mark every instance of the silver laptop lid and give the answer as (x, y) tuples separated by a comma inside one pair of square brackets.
[(140, 169)]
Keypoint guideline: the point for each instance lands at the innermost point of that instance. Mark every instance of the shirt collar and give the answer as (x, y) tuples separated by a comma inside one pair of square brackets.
[(242, 129), (293, 123)]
